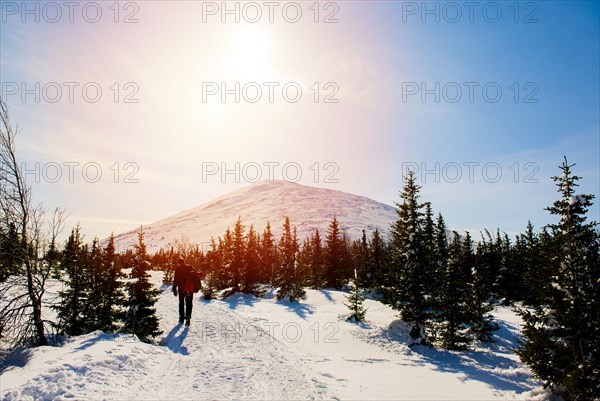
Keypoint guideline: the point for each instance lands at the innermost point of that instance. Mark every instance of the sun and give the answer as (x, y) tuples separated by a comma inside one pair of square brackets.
[(248, 53)]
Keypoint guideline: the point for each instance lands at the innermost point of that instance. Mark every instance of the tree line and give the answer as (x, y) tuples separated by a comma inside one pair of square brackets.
[(442, 282)]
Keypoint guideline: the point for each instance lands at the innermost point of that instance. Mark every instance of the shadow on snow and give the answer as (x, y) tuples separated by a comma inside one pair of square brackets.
[(174, 342), (17, 358), (239, 298), (327, 294), (300, 309), (487, 365)]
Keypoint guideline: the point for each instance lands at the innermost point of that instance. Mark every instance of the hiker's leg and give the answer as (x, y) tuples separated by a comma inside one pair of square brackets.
[(188, 303), (181, 305)]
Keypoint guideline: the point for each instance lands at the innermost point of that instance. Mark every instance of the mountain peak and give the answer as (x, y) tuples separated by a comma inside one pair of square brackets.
[(268, 201)]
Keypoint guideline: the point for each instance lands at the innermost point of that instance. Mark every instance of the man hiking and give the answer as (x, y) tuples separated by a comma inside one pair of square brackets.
[(185, 283)]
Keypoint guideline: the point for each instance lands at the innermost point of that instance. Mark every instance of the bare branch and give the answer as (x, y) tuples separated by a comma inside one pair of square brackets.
[(21, 318)]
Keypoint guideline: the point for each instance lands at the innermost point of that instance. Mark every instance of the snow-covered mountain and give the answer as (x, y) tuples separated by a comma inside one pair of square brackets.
[(268, 201)]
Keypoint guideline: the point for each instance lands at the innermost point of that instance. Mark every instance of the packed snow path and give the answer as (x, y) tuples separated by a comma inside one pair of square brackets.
[(207, 360), (238, 348), (223, 355)]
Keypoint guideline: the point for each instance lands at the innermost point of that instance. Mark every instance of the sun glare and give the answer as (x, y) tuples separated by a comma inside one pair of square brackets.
[(248, 57)]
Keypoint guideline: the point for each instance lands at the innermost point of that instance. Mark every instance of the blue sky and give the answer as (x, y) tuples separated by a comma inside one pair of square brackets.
[(373, 55)]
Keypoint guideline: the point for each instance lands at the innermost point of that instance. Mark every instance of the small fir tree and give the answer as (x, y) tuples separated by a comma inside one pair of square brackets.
[(356, 302), (141, 319)]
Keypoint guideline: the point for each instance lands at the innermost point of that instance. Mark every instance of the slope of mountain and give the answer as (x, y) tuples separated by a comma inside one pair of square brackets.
[(268, 201)]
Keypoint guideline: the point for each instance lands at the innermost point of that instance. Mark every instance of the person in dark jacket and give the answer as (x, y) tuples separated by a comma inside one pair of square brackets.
[(183, 285)]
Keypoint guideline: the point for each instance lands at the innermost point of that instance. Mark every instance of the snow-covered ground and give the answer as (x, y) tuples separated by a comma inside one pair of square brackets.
[(257, 348)]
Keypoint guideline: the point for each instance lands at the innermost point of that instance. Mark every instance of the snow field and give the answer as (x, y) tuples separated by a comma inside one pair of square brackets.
[(246, 347)]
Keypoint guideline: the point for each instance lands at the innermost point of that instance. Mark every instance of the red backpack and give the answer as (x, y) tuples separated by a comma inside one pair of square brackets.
[(189, 286), (193, 283)]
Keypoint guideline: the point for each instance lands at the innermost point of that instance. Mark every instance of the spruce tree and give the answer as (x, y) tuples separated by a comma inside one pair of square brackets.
[(360, 257), (251, 264), (334, 256), (479, 302), (52, 259), (72, 296), (210, 282), (268, 255), (318, 260), (535, 274), (304, 268), (299, 279), (111, 310), (226, 251), (455, 297), (514, 293), (356, 302), (561, 337), (377, 259), (93, 289), (440, 258), (506, 285), (346, 261), (487, 263), (141, 319), (238, 251), (408, 293), (431, 271), (287, 280)]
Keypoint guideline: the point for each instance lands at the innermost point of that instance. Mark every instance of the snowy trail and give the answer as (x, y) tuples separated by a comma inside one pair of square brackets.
[(224, 348), (239, 348), (204, 361)]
